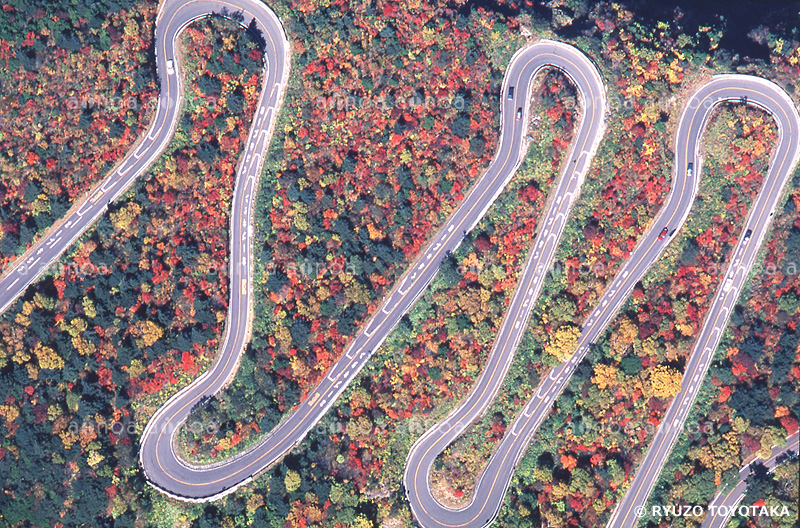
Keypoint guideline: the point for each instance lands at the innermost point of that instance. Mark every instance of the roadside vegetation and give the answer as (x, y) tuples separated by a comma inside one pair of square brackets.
[(390, 115), (76, 92)]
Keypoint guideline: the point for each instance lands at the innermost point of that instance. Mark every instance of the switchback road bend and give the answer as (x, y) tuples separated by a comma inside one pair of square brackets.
[(161, 466), (491, 488), (768, 96), (493, 482), (166, 471)]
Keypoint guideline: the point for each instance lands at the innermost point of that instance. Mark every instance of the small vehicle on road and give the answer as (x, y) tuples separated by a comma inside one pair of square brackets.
[(663, 234), (519, 113), (690, 170), (510, 93), (747, 235), (727, 286), (170, 67)]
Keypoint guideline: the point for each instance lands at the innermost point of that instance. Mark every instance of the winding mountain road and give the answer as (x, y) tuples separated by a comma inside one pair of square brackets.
[(491, 488), (166, 471), (771, 98), (493, 482)]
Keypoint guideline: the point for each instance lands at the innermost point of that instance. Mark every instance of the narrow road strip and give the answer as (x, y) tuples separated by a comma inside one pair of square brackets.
[(491, 487), (723, 507), (770, 97)]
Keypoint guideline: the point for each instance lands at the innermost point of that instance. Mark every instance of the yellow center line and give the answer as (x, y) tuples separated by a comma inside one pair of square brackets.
[(683, 394), (530, 280)]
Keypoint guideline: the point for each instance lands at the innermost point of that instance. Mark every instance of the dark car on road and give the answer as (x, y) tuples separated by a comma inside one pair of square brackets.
[(690, 170), (747, 235), (663, 234), (510, 93), (519, 113)]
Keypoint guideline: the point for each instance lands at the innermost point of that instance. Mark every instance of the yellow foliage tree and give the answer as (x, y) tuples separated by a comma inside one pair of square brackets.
[(663, 382), (94, 458), (604, 375), (623, 337), (149, 332), (48, 359), (9, 412), (125, 219), (563, 341), (291, 480)]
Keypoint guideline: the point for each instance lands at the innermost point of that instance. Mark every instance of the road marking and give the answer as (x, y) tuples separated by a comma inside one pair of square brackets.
[(402, 286)]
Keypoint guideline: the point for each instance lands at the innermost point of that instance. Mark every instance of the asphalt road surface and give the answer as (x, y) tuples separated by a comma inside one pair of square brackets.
[(168, 473), (770, 97), (723, 506), (161, 465), (491, 488)]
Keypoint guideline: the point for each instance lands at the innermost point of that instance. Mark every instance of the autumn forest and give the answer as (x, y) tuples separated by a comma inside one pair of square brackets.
[(390, 115)]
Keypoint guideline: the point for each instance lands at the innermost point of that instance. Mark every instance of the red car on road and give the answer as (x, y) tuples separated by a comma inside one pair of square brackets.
[(663, 234)]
